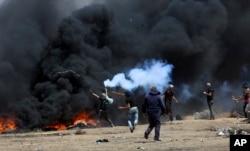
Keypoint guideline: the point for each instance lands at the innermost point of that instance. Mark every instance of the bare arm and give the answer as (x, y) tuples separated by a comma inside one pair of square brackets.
[(95, 94), (238, 98), (124, 107), (118, 93), (174, 98), (106, 91), (208, 94)]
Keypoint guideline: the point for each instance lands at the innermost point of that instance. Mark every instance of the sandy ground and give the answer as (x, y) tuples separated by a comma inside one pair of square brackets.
[(186, 134)]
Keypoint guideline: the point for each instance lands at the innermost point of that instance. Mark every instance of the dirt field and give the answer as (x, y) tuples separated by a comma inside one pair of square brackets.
[(187, 134)]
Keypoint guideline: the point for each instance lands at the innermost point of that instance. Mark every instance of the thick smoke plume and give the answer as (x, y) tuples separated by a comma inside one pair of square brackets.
[(54, 52)]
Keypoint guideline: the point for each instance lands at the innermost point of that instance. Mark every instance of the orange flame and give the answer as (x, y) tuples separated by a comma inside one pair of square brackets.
[(57, 125), (7, 123), (84, 118)]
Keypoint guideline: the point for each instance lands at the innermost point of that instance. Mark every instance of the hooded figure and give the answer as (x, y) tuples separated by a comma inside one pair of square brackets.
[(153, 107)]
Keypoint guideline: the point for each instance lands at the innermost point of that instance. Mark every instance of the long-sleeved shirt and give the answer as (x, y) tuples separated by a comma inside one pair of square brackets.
[(153, 102)]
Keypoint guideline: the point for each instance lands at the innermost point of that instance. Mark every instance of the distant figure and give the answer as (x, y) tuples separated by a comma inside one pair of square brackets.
[(105, 101), (153, 106), (168, 97), (132, 109), (245, 91), (247, 108), (209, 92)]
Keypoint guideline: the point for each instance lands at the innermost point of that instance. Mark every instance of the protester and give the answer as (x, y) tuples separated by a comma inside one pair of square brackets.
[(247, 108), (209, 92), (245, 91), (152, 107), (105, 101), (131, 107), (168, 97)]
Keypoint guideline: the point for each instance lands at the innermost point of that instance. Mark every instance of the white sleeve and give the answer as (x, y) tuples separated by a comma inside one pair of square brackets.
[(110, 99)]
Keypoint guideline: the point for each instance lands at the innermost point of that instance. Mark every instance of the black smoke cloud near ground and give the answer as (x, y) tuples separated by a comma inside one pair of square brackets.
[(73, 62), (26, 27), (49, 78)]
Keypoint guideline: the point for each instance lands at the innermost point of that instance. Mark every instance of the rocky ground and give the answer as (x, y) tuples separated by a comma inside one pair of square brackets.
[(186, 134)]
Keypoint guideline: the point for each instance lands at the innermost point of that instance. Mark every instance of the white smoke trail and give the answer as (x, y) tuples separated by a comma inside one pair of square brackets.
[(152, 72)]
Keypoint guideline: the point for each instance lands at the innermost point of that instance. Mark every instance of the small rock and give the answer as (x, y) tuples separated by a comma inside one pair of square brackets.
[(142, 148)]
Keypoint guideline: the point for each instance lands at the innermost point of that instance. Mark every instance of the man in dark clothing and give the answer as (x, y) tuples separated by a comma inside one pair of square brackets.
[(168, 97), (210, 95), (153, 106), (132, 109), (105, 101)]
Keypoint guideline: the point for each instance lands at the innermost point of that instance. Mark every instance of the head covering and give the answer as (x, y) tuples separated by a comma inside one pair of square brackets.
[(127, 93), (208, 84), (171, 86), (244, 85), (153, 88)]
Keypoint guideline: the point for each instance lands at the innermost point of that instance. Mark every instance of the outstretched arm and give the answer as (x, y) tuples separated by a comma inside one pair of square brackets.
[(106, 91), (208, 94), (118, 93), (124, 107), (238, 98), (174, 98), (95, 94), (107, 97)]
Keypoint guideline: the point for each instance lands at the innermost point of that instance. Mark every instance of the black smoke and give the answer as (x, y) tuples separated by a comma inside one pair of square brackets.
[(51, 57)]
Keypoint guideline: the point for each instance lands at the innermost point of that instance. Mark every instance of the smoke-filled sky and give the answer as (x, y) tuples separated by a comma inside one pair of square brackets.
[(53, 52)]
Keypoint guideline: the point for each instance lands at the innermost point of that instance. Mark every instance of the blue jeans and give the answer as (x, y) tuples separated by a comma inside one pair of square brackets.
[(133, 117)]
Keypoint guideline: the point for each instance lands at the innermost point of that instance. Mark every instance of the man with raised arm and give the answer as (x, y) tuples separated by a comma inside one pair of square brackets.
[(105, 101)]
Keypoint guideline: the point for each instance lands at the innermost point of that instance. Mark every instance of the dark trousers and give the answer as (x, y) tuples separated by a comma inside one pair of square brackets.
[(103, 114), (168, 104), (210, 104), (154, 122)]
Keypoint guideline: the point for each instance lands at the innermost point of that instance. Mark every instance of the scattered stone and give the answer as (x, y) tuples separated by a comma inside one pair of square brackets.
[(117, 136), (79, 132), (237, 114), (202, 115), (226, 132), (178, 117), (142, 148), (99, 141)]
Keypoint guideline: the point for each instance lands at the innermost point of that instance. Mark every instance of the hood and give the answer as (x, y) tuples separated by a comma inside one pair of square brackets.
[(154, 92)]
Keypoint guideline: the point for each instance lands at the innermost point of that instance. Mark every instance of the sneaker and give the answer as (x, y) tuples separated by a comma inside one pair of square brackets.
[(131, 130), (146, 135), (157, 140)]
